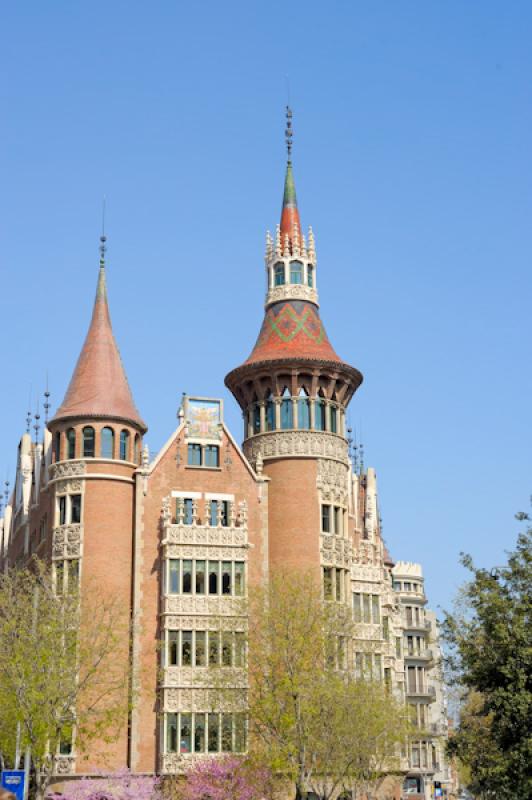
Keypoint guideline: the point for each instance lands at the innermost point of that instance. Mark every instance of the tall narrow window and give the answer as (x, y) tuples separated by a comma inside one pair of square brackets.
[(310, 275), (194, 455), (212, 455), (188, 509), (213, 513), (75, 508), (256, 418), (107, 441), (303, 410), (279, 274), (200, 577), (199, 733), (334, 419), (287, 411), (57, 446), (213, 721), (227, 733), (186, 648), (226, 577), (62, 509), (185, 733), (214, 577), (124, 445), (187, 577), (200, 649), (172, 648), (270, 413), (375, 608), (136, 450), (71, 443), (296, 272), (327, 583), (326, 518), (319, 414), (173, 576), (88, 442), (171, 733), (239, 578)]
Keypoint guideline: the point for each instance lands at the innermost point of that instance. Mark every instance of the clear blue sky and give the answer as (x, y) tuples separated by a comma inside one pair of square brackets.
[(412, 160)]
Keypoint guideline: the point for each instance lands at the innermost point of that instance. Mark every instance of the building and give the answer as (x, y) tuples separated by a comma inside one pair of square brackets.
[(198, 524)]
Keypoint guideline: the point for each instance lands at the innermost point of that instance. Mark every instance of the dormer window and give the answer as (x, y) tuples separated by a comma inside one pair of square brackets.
[(310, 275), (296, 272), (278, 274)]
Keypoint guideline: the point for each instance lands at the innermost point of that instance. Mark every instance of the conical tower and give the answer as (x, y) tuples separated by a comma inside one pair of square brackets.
[(96, 445), (293, 390)]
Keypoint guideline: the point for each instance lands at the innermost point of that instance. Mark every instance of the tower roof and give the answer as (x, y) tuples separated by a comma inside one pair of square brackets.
[(99, 386)]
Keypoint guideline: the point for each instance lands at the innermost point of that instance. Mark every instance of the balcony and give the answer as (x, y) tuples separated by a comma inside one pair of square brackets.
[(422, 655), (427, 692), (416, 625)]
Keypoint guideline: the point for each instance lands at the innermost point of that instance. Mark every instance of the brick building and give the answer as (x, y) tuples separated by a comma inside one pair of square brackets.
[(197, 525)]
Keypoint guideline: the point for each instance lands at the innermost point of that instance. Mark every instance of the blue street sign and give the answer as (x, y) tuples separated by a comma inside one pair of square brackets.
[(13, 781)]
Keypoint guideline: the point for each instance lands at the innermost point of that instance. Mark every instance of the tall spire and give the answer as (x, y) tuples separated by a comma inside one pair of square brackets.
[(99, 386), (290, 222)]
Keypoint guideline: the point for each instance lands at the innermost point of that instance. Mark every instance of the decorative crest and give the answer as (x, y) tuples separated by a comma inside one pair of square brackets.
[(289, 133)]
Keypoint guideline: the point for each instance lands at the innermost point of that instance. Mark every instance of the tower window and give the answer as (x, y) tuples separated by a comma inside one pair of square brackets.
[(270, 414), (107, 442), (124, 445), (88, 442), (71, 443), (279, 274), (194, 455), (326, 518), (57, 447), (136, 452), (319, 414), (296, 272), (256, 418), (310, 275), (287, 411), (334, 419), (75, 508), (303, 410)]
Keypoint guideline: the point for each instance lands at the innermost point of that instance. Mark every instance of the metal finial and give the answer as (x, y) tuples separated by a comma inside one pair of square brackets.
[(289, 132), (361, 449), (29, 414), (103, 238), (36, 425), (6, 491), (46, 405)]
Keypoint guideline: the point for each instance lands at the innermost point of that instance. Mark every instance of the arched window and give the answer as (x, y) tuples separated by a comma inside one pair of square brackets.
[(287, 411), (334, 419), (124, 445), (107, 443), (303, 410), (57, 447), (296, 272), (71, 443), (88, 442), (270, 413), (278, 274), (136, 449), (310, 275), (319, 414)]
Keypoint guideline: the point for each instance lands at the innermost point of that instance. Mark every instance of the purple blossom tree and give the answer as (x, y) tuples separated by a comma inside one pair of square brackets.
[(120, 785), (228, 778)]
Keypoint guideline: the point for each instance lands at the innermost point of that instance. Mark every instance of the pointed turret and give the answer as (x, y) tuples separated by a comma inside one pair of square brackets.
[(99, 386)]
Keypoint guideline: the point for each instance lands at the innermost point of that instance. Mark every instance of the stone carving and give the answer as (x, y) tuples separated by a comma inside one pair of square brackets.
[(199, 623), (66, 541), (65, 487), (216, 606), (332, 480), (181, 551), (67, 469), (204, 535), (64, 765), (291, 292), (298, 444)]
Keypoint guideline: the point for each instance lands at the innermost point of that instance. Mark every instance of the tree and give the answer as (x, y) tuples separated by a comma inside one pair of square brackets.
[(120, 785), (489, 633), (309, 717), (229, 778), (60, 677)]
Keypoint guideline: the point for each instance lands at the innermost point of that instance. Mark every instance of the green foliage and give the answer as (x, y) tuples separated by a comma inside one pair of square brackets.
[(310, 719), (491, 657), (59, 670)]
